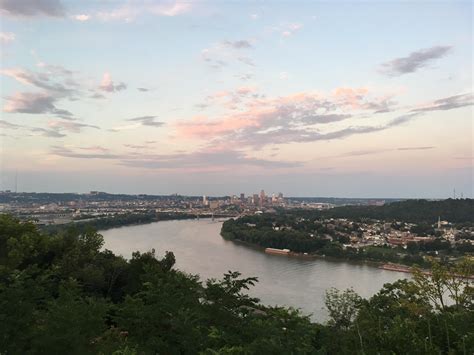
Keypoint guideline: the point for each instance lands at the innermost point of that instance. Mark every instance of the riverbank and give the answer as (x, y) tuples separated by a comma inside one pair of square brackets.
[(301, 245), (377, 264), (371, 263)]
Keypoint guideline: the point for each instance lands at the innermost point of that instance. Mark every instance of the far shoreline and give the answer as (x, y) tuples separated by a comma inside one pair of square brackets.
[(372, 263)]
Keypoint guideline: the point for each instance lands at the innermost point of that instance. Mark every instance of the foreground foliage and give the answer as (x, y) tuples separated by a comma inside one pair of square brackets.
[(63, 294)]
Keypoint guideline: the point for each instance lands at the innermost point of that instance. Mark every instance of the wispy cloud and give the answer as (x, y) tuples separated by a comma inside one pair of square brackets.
[(34, 103), (227, 52), (47, 80), (145, 145), (6, 37), (231, 99), (290, 29), (203, 160), (97, 95), (108, 84), (55, 83), (32, 8), (285, 29), (124, 127), (246, 60), (365, 152), (82, 17), (448, 103), (324, 118), (213, 58), (147, 121), (94, 148), (51, 133), (172, 9), (416, 148), (8, 125), (284, 75), (55, 129), (69, 153), (240, 44), (136, 146), (70, 126), (130, 11), (414, 61), (245, 76)]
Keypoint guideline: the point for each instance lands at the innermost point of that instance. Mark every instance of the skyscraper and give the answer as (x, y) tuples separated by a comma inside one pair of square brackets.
[(262, 198), (255, 199)]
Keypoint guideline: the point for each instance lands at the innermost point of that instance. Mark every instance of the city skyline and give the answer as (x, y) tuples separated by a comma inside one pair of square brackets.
[(203, 98)]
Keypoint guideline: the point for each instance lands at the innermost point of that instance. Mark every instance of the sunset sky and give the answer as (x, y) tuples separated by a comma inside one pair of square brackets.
[(346, 99)]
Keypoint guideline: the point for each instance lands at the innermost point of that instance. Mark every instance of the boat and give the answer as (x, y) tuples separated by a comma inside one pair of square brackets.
[(277, 251), (394, 267)]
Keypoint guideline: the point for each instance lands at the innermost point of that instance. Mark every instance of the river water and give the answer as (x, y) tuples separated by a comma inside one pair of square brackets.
[(283, 280)]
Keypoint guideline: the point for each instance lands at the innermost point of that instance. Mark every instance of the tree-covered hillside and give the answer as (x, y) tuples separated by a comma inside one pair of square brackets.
[(364, 232), (416, 211)]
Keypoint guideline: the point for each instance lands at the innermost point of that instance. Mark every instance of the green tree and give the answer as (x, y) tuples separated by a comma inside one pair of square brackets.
[(445, 280), (342, 307)]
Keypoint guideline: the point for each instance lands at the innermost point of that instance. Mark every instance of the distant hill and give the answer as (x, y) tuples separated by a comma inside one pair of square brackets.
[(416, 211), (47, 197), (338, 201)]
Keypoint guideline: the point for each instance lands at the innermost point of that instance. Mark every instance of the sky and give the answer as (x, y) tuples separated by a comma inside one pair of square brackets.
[(307, 98)]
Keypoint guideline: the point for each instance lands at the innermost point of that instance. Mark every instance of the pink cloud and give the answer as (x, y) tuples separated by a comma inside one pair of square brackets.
[(219, 94), (291, 112), (19, 75), (245, 90), (205, 128), (108, 85), (231, 99), (202, 127), (350, 96)]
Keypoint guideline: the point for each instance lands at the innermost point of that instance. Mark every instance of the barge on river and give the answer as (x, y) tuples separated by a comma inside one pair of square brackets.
[(277, 251)]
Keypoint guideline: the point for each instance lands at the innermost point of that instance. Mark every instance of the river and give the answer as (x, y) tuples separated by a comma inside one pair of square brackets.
[(283, 280)]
